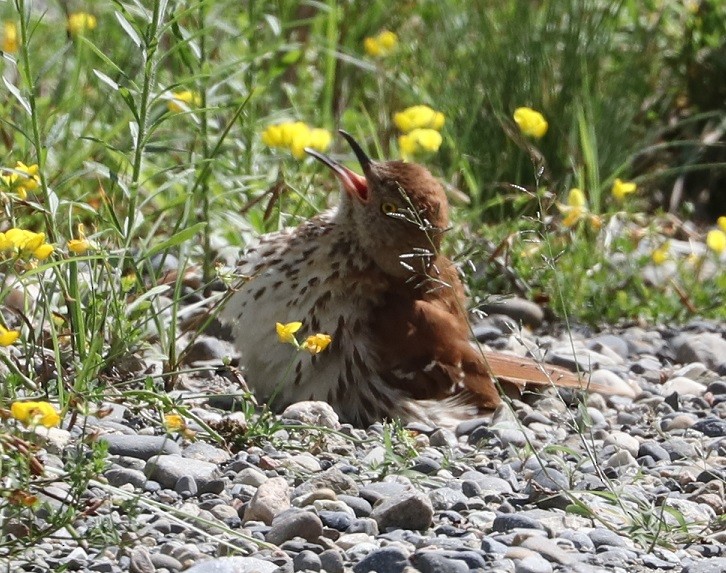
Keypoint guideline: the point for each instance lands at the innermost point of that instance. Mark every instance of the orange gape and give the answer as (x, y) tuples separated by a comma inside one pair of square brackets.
[(369, 273)]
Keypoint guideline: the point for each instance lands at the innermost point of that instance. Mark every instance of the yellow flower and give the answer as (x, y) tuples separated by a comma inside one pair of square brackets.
[(623, 188), (80, 22), (24, 178), (8, 337), (419, 141), (10, 38), (26, 243), (286, 332), (25, 240), (319, 139), (174, 422), (5, 243), (661, 254), (296, 136), (419, 117), (32, 413), (43, 251), (78, 246), (721, 222), (183, 101), (576, 207), (716, 241), (381, 45), (316, 343), (531, 122)]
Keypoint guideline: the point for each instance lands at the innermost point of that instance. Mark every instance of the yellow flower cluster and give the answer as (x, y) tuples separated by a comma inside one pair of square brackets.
[(381, 45), (420, 125), (314, 343), (419, 117), (716, 238), (183, 101), (622, 188), (10, 43), (81, 22), (661, 254), (25, 243), (532, 123), (576, 210), (8, 337), (296, 136), (34, 413), (22, 179), (80, 245)]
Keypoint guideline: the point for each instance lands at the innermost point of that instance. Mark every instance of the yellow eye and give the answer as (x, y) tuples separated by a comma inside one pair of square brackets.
[(388, 208)]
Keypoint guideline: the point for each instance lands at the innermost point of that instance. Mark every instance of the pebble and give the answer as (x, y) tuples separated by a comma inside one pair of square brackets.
[(271, 498), (139, 446), (388, 559), (294, 523), (168, 470), (409, 510), (430, 499)]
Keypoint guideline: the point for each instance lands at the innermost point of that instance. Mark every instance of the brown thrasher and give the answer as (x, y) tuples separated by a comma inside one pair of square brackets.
[(369, 273)]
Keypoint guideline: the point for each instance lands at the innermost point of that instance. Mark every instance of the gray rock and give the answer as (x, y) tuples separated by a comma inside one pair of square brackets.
[(76, 559), (712, 565), (679, 449), (654, 450), (434, 562), (251, 476), (307, 561), (425, 465), (624, 441), (118, 476), (233, 565), (168, 469), (389, 559), (611, 341), (444, 438), (444, 497), (683, 386), (712, 427), (167, 562), (408, 510), (271, 498), (331, 561), (360, 506), (206, 348), (508, 521), (523, 311), (142, 447), (313, 414), (186, 486), (706, 347), (601, 536), (206, 453), (141, 561), (549, 549), (532, 564), (549, 479), (485, 482), (294, 523), (485, 332)]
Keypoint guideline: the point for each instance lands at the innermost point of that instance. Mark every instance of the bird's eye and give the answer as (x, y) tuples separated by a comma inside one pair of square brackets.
[(388, 208)]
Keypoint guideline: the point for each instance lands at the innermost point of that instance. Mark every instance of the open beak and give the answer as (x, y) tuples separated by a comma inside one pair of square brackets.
[(355, 185)]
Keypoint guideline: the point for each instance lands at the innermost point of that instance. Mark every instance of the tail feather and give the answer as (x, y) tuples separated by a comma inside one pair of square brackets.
[(522, 372)]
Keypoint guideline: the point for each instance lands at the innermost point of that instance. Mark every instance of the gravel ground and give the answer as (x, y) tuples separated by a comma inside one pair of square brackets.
[(552, 484)]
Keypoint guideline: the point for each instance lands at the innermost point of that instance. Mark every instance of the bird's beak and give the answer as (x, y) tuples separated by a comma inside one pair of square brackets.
[(356, 185)]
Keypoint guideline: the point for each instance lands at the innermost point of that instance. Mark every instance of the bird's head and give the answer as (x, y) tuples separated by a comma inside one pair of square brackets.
[(398, 210)]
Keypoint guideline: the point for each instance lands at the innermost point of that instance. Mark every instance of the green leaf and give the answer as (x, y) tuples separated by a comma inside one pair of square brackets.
[(178, 239)]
